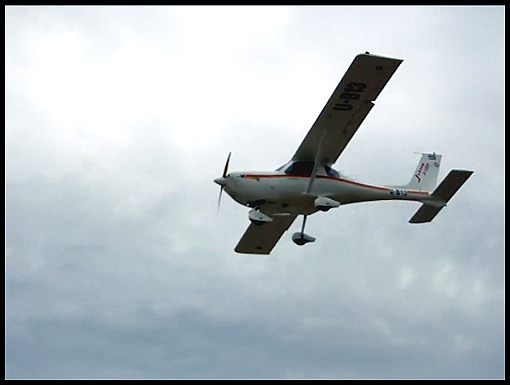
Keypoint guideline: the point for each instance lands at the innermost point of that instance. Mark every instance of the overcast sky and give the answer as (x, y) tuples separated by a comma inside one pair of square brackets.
[(117, 264)]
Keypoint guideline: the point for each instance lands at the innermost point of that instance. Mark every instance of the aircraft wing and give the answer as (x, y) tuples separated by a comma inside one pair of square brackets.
[(262, 239), (346, 109)]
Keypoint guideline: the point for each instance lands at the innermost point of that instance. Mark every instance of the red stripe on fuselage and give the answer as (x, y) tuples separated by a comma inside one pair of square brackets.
[(254, 176)]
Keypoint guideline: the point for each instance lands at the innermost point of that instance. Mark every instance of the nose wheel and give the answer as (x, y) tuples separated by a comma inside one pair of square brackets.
[(301, 238)]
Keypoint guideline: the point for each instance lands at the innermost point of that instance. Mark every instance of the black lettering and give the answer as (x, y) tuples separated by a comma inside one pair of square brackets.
[(349, 96), (342, 107), (355, 87)]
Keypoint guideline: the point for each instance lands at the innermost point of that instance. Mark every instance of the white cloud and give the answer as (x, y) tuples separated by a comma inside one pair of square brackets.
[(118, 119)]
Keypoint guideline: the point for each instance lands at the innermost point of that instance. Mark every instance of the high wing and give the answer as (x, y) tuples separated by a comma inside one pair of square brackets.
[(262, 239), (346, 109)]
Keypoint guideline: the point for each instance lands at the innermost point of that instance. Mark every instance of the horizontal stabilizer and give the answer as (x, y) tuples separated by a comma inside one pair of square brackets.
[(425, 214), (442, 194)]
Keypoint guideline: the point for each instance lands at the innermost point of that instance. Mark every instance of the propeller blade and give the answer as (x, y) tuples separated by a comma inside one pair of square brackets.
[(221, 181), (225, 170), (219, 199)]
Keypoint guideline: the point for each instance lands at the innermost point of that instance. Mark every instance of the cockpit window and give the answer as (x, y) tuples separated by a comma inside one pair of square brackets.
[(331, 172), (304, 167)]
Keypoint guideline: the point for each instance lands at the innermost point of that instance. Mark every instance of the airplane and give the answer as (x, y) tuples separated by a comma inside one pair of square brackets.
[(308, 184)]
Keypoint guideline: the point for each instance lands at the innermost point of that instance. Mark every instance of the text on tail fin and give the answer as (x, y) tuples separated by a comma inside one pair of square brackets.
[(425, 175)]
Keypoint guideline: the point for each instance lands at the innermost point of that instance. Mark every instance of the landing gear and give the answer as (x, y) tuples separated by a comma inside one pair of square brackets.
[(301, 238)]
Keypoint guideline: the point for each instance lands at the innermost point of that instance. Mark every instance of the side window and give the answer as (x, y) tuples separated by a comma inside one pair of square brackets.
[(300, 168), (332, 172)]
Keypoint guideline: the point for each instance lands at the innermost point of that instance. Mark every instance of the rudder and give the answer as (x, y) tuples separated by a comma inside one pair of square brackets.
[(425, 175)]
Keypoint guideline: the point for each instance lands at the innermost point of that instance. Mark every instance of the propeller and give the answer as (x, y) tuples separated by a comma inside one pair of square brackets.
[(225, 170), (223, 180)]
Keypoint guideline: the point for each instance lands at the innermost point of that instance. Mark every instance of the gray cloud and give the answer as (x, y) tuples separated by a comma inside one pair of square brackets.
[(117, 264)]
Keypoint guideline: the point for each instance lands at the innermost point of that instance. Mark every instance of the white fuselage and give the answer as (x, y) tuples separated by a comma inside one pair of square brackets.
[(277, 192)]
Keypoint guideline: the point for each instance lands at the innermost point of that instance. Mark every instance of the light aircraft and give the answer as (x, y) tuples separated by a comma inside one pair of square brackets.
[(308, 184)]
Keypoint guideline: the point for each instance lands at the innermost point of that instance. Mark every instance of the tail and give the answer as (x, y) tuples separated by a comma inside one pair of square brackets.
[(425, 175), (441, 195)]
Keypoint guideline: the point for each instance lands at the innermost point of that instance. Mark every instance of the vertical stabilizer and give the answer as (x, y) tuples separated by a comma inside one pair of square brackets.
[(425, 176)]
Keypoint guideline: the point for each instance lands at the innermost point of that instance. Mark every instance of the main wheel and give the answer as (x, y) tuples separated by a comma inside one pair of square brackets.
[(301, 239)]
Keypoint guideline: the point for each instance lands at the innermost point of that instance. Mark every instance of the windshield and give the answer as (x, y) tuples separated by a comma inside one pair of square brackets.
[(305, 168), (300, 168)]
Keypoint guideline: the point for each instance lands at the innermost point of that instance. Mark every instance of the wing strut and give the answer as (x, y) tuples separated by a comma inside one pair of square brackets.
[(302, 238), (316, 163)]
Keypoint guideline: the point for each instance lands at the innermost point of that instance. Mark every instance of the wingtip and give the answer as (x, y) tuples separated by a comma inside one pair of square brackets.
[(367, 53)]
